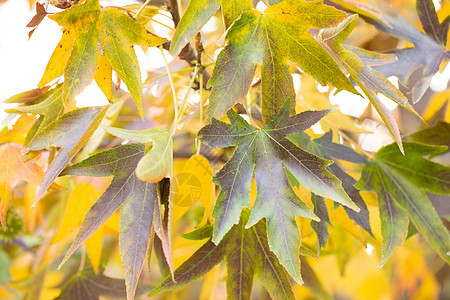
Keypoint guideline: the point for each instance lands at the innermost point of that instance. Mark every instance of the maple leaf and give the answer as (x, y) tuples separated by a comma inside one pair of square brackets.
[(56, 64), (198, 13), (360, 8), (247, 255), (430, 22), (69, 132), (400, 182), (157, 163), (359, 63), (321, 229), (439, 134), (15, 170), (100, 31), (50, 107), (324, 147), (428, 51), (140, 207), (88, 285), (273, 38), (269, 152)]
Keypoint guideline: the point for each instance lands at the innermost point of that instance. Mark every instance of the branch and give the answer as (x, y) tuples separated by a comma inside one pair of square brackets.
[(188, 54)]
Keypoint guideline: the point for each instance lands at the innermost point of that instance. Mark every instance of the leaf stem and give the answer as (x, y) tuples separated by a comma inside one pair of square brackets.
[(173, 128), (199, 143), (208, 55), (183, 104), (141, 9)]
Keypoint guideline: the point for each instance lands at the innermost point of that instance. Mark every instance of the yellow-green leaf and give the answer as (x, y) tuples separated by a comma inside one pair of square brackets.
[(157, 163), (273, 38)]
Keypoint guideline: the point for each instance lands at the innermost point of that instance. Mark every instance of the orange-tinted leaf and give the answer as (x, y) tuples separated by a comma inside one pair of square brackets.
[(37, 19), (13, 171), (27, 96)]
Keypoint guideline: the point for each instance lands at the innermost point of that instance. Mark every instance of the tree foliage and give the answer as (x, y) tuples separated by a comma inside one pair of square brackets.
[(275, 177)]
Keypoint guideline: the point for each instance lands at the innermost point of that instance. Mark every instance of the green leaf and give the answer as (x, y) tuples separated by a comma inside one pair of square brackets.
[(50, 108), (117, 35), (195, 16), (200, 263), (198, 13), (394, 218), (91, 286), (157, 163), (399, 182), (268, 152), (437, 135), (320, 209), (273, 38), (423, 173), (324, 147), (69, 132), (82, 64), (247, 254), (84, 58), (232, 9), (140, 209), (199, 234), (136, 221), (110, 32)]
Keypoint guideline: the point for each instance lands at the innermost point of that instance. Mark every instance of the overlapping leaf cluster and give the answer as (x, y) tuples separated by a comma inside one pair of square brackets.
[(95, 41), (259, 238)]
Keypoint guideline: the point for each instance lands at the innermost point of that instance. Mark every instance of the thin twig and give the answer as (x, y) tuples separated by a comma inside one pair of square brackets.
[(173, 128), (141, 9)]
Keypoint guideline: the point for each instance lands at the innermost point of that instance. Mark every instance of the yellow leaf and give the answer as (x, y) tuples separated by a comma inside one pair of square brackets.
[(340, 217), (80, 200), (192, 184), (60, 55), (113, 223), (103, 77), (436, 103), (94, 245), (50, 289)]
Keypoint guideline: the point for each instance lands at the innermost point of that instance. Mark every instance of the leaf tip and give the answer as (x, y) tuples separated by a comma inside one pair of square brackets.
[(383, 261), (141, 112), (61, 263)]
